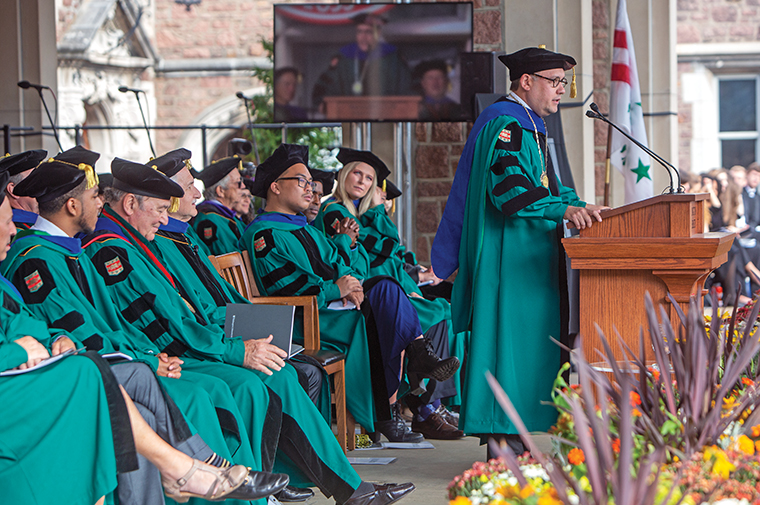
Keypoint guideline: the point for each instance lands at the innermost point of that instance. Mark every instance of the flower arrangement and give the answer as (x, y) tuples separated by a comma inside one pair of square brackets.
[(644, 437)]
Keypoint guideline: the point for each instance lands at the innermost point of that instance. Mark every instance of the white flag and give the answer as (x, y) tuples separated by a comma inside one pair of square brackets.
[(626, 112)]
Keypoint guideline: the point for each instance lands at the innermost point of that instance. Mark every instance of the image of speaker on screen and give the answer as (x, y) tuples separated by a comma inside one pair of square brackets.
[(355, 61), (368, 66), (431, 79), (286, 81)]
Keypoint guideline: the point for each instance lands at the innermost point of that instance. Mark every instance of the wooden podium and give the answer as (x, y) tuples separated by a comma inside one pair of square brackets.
[(376, 108), (656, 245)]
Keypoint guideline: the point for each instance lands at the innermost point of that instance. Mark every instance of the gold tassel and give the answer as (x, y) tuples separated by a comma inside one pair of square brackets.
[(384, 191), (393, 206), (89, 174), (573, 87), (188, 164), (240, 165), (542, 46), (173, 205)]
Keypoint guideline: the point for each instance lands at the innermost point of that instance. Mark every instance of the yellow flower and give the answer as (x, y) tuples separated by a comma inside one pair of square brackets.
[(460, 500), (729, 403), (585, 484), (722, 467), (483, 478), (526, 491), (745, 445), (508, 491), (550, 497)]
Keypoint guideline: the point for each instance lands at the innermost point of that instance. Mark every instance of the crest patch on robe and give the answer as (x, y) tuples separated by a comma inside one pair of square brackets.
[(510, 138), (208, 233), (114, 266), (260, 244), (335, 224), (33, 281)]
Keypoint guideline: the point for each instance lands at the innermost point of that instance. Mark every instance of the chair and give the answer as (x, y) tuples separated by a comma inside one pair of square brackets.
[(236, 269)]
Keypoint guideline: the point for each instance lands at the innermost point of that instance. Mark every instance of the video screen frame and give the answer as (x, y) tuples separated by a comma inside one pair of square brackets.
[(321, 69)]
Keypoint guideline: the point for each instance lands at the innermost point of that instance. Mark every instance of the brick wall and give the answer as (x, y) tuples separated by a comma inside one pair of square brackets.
[(709, 21), (439, 145), (601, 22)]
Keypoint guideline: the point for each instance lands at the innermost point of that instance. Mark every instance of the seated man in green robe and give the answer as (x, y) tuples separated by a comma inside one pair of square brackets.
[(292, 258), (68, 416), (19, 166), (138, 203), (217, 223)]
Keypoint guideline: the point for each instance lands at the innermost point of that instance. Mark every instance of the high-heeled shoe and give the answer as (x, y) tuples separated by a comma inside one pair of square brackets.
[(226, 481)]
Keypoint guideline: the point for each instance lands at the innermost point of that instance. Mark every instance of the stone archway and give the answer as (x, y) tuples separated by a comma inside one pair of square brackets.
[(227, 111)]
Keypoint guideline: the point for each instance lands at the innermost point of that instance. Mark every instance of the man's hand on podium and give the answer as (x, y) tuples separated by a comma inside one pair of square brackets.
[(583, 217)]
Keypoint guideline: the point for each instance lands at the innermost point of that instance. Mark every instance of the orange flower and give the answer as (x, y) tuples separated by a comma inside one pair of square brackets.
[(655, 374), (756, 431), (635, 399), (576, 456), (616, 445), (636, 413), (747, 381)]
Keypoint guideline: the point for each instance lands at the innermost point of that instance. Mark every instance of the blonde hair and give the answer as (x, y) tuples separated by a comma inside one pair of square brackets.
[(340, 195)]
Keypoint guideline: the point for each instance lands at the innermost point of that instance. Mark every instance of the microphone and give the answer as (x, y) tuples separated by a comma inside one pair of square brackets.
[(39, 87), (137, 92), (595, 114), (125, 89), (26, 85), (246, 99)]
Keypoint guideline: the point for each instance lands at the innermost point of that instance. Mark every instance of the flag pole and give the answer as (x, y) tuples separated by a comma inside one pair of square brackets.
[(607, 168)]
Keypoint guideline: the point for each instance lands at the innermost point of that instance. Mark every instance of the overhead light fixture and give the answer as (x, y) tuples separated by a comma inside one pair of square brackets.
[(187, 3)]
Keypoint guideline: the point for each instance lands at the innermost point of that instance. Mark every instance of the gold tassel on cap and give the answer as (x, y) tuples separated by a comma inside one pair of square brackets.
[(173, 205), (573, 87), (89, 173), (384, 190), (542, 46)]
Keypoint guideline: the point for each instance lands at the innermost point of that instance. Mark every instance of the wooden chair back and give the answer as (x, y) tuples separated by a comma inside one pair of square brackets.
[(233, 270)]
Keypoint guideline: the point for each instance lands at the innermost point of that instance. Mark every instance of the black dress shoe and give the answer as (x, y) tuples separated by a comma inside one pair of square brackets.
[(423, 362), (395, 430), (383, 494), (293, 494), (259, 485)]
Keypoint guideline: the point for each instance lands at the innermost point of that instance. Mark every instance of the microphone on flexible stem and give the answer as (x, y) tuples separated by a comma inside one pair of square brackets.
[(39, 87), (137, 92), (245, 100), (595, 114)]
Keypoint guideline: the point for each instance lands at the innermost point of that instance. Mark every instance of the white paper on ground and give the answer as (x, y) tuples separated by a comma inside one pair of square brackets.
[(371, 461), (406, 445)]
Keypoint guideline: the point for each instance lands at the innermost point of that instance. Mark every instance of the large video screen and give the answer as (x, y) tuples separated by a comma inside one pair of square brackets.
[(370, 62)]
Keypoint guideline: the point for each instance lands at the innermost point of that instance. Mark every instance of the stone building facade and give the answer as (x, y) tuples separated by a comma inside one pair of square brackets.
[(718, 72), (192, 62)]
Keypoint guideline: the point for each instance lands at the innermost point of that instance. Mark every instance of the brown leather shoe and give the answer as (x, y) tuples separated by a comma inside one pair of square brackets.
[(436, 427), (450, 417)]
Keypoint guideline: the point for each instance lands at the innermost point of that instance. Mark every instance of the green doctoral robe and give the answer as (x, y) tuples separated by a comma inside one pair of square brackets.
[(184, 258), (430, 312), (54, 419), (218, 228), (283, 267), (216, 355), (507, 291), (62, 286)]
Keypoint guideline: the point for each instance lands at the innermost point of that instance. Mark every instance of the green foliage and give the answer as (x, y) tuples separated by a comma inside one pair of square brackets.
[(322, 142)]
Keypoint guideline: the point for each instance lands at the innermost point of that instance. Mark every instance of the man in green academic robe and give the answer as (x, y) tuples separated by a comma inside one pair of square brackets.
[(500, 226), (217, 224), (142, 486), (48, 267), (291, 258), (138, 203)]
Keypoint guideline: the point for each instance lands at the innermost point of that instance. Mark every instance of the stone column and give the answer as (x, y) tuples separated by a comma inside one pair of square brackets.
[(27, 36)]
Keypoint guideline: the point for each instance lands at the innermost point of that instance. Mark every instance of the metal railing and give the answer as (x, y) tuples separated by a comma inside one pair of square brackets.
[(27, 131)]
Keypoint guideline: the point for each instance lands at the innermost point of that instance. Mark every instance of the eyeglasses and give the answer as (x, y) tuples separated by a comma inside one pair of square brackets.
[(302, 183), (555, 82)]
